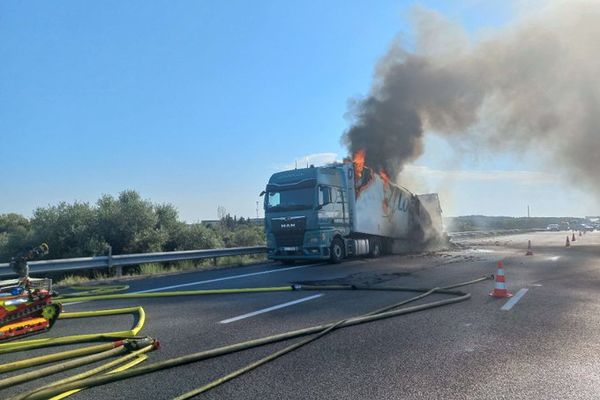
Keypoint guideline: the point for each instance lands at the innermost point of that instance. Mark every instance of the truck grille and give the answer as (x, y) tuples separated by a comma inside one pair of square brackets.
[(289, 231), (289, 239)]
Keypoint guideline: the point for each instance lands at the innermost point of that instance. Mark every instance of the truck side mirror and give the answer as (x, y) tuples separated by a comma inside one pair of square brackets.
[(262, 194)]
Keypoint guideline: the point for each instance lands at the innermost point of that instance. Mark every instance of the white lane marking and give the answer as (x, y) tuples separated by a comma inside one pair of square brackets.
[(213, 280), (264, 310), (226, 278), (70, 304), (509, 304), (555, 258)]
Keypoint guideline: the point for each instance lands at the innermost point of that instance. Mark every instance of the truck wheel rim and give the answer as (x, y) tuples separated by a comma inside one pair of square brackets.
[(337, 250)]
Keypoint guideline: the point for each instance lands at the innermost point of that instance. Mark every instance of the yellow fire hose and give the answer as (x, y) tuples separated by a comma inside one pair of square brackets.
[(80, 291), (131, 357), (125, 296), (36, 343), (31, 362), (53, 369), (137, 358)]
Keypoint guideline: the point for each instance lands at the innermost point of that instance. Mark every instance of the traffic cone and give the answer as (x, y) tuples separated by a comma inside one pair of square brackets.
[(567, 244), (500, 290), (529, 250), (573, 238)]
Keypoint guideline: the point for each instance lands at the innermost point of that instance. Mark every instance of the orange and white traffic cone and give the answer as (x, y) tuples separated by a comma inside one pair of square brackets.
[(573, 238), (529, 250), (568, 244), (500, 290)]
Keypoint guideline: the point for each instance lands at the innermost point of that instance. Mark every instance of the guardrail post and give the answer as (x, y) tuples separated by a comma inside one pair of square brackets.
[(215, 261), (118, 271)]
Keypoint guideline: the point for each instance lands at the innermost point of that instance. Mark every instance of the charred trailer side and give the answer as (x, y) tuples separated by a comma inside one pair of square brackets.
[(431, 223)]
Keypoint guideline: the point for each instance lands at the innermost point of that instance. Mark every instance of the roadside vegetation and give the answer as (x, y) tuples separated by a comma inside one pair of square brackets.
[(128, 224)]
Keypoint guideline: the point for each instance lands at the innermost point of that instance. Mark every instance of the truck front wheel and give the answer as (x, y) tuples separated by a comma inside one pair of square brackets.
[(337, 251)]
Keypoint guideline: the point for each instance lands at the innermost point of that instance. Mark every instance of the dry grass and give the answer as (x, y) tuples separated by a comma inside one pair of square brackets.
[(71, 280), (166, 268)]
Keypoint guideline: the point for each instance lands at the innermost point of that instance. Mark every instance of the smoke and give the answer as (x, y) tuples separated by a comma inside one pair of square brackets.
[(533, 85)]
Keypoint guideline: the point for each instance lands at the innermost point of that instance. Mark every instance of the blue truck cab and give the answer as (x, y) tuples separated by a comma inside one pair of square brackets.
[(308, 213)]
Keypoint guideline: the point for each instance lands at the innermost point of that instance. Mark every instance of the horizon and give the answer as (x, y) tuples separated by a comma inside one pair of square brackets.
[(253, 217)]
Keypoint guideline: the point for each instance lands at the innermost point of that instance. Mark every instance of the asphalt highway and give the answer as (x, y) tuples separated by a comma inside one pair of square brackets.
[(546, 345)]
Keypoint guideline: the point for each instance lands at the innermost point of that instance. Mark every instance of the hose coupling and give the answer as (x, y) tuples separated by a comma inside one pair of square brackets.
[(137, 344)]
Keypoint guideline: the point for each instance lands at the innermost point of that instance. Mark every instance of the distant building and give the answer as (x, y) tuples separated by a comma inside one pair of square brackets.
[(210, 222), (215, 222)]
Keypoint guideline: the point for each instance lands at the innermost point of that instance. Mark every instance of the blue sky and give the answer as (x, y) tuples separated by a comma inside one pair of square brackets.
[(197, 103)]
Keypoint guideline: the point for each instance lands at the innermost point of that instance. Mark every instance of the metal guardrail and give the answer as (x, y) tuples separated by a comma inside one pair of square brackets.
[(498, 232), (119, 261)]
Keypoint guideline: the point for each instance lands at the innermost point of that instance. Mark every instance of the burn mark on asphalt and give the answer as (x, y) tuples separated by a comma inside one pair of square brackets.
[(359, 278)]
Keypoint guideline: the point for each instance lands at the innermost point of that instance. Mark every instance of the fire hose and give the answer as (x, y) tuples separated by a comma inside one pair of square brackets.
[(134, 352)]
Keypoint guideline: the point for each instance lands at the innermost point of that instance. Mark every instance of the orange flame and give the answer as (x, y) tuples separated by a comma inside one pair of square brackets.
[(386, 183), (384, 177), (359, 162)]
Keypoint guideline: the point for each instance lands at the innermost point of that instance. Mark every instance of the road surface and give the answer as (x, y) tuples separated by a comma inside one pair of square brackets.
[(544, 344)]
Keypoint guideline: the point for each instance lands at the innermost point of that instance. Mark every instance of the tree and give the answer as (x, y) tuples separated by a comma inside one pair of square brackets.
[(198, 236), (68, 229), (127, 223), (221, 212), (12, 222), (247, 235), (169, 224), (15, 234)]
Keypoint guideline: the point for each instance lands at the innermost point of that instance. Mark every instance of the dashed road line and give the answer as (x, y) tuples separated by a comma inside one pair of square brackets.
[(276, 307), (226, 278), (509, 304)]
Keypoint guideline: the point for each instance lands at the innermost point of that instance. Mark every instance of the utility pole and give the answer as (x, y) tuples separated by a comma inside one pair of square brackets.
[(528, 214), (257, 209)]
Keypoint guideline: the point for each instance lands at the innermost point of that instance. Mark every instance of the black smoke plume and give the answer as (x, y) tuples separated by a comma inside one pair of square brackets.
[(533, 85)]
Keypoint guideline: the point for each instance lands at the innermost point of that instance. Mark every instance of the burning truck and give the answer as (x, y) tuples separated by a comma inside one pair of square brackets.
[(345, 209)]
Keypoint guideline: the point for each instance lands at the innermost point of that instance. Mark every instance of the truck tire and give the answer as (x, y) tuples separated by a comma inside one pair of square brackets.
[(336, 251), (375, 248)]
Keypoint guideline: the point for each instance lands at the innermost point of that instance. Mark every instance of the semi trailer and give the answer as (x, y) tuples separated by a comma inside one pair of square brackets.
[(345, 209)]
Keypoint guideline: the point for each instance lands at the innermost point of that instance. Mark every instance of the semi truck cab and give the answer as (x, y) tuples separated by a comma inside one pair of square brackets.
[(307, 210)]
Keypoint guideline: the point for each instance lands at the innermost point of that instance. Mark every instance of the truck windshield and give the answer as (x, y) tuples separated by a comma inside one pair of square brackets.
[(292, 199)]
